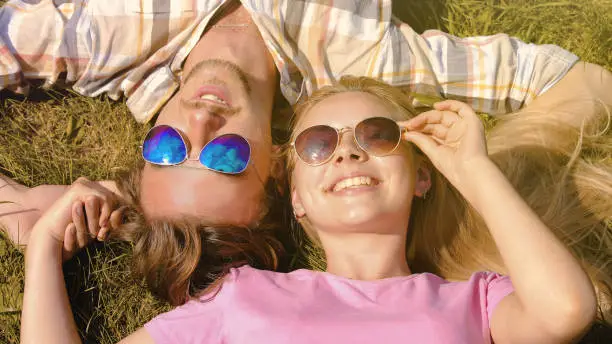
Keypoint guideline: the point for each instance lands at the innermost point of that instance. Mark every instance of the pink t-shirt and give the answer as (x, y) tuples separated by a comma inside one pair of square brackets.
[(309, 307)]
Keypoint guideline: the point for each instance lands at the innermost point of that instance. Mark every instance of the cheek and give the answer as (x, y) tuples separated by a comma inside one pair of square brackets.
[(306, 182), (168, 112), (401, 175)]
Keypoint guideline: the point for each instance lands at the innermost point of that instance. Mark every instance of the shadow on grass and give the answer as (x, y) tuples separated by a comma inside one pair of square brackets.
[(422, 15), (107, 303)]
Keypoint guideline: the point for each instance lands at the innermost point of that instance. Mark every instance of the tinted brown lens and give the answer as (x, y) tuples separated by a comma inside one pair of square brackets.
[(316, 144), (377, 135)]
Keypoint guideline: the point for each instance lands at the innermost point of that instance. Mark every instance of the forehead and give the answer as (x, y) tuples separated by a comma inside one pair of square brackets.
[(345, 110), (175, 192)]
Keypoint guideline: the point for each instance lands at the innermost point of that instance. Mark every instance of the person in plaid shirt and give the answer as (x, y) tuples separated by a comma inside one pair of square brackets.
[(208, 68)]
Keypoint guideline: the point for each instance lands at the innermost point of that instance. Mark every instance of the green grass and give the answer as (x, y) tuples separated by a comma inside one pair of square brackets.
[(54, 140), (59, 137)]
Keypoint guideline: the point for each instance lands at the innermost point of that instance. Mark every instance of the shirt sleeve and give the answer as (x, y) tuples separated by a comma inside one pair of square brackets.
[(39, 40), (498, 287), (197, 321), (494, 74), (114, 47), (314, 44)]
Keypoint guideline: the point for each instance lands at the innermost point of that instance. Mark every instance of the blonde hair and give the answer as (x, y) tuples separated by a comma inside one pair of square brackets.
[(564, 173)]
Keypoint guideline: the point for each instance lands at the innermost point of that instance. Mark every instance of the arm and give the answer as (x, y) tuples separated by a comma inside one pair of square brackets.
[(46, 315), (526, 78), (554, 300), (494, 74), (25, 205), (578, 96)]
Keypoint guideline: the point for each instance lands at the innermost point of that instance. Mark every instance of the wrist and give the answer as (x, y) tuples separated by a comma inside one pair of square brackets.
[(479, 176), (42, 249), (41, 235)]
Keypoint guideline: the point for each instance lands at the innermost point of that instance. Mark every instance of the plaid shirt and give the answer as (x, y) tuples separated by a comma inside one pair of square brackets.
[(136, 48)]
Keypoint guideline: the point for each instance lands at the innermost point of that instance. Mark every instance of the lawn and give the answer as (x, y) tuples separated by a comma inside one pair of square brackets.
[(55, 137)]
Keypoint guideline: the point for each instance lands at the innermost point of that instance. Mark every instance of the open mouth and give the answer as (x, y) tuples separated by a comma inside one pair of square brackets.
[(354, 183), (213, 98), (214, 94)]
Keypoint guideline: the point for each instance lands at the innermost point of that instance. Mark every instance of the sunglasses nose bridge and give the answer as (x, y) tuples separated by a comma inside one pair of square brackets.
[(343, 131), (203, 127), (350, 149)]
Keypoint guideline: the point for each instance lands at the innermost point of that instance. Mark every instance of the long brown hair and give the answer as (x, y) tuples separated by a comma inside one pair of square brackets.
[(179, 259), (564, 173)]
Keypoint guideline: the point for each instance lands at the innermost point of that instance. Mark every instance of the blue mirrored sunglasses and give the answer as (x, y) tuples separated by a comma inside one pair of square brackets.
[(165, 146)]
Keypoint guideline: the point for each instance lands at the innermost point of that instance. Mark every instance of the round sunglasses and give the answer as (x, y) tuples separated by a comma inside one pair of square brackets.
[(378, 136), (164, 145)]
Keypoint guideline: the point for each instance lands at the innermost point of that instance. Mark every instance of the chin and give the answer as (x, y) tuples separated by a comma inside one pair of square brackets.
[(357, 217)]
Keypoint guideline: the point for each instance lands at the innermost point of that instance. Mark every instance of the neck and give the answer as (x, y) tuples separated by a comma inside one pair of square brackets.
[(366, 256), (233, 36)]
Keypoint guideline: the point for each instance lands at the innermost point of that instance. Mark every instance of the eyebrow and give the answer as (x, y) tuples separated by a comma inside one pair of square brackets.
[(239, 176), (242, 76)]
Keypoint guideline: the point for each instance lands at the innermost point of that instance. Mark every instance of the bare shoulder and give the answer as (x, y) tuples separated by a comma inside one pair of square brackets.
[(141, 336)]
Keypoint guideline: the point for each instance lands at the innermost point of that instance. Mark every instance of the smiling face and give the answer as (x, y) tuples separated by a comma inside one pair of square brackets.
[(354, 190), (216, 97)]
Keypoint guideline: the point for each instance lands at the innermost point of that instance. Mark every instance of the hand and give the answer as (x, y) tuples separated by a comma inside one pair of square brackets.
[(452, 136), (87, 206), (88, 224)]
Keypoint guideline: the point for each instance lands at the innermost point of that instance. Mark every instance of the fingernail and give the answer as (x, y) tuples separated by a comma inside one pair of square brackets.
[(100, 237), (79, 210)]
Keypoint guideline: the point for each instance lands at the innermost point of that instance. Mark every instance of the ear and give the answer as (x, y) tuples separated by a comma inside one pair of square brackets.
[(423, 179), (296, 202)]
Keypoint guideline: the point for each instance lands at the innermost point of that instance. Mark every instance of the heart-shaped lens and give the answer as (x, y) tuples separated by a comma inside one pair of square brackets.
[(229, 153), (378, 135), (316, 144), (163, 145)]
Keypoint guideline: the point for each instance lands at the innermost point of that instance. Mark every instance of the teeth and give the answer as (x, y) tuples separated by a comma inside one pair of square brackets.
[(212, 97), (352, 182)]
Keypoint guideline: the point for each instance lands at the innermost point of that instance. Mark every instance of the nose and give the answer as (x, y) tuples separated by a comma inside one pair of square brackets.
[(202, 126), (348, 150)]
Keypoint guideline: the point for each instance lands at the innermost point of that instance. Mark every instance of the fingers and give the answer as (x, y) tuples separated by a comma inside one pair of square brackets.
[(92, 215), (438, 131), (70, 242), (106, 197), (432, 117), (446, 112), (116, 218), (460, 108), (433, 122), (113, 222), (105, 213), (426, 143), (85, 226), (103, 234), (78, 219)]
